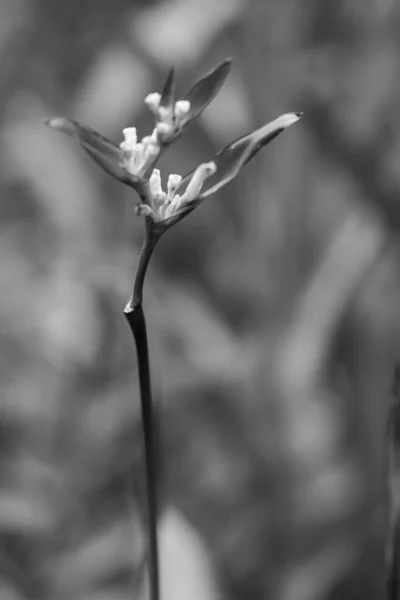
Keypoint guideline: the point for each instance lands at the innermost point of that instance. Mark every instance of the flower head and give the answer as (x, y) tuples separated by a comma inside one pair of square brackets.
[(167, 205), (137, 157), (170, 119), (133, 162), (172, 116)]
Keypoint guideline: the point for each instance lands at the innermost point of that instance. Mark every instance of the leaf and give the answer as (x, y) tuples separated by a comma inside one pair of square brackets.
[(205, 90), (168, 93), (103, 151), (231, 159), (267, 135)]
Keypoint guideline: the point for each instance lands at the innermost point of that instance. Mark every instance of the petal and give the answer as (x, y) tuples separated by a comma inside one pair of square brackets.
[(203, 172), (152, 101), (103, 151), (233, 157), (205, 90), (168, 94)]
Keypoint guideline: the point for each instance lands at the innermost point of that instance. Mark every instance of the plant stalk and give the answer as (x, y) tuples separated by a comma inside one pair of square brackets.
[(136, 319)]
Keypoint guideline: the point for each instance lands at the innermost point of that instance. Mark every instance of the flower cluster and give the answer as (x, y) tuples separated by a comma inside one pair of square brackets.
[(138, 156), (165, 205), (133, 162), (170, 119)]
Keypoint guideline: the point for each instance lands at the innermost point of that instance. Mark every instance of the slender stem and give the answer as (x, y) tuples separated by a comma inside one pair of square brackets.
[(394, 530), (136, 319), (149, 243)]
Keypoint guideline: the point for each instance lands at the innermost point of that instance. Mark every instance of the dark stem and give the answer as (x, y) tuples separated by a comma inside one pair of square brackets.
[(393, 542), (136, 319), (150, 240)]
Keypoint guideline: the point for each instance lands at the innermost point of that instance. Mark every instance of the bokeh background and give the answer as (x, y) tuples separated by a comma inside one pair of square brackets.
[(272, 309)]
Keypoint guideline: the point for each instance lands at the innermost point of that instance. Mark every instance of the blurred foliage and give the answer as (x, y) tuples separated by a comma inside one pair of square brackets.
[(272, 311)]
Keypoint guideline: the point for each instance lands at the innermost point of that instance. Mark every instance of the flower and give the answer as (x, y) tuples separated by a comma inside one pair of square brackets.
[(162, 205), (173, 116), (137, 157), (170, 119), (133, 162)]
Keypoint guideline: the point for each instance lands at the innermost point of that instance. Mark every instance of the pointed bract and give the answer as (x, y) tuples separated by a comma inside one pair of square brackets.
[(205, 90), (172, 117), (231, 159), (269, 131), (107, 154), (133, 161), (167, 99)]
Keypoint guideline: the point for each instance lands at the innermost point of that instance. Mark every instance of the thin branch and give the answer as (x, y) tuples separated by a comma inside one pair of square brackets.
[(150, 240), (394, 530), (136, 319)]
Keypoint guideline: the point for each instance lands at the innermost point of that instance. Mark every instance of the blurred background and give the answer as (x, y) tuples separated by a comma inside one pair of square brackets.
[(272, 310)]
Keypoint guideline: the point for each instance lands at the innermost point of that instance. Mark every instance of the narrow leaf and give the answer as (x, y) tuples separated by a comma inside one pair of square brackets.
[(205, 90), (229, 162), (231, 159), (271, 130), (168, 93), (103, 151)]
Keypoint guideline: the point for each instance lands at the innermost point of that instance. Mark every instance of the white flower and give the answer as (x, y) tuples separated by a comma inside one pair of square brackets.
[(182, 107), (152, 101), (170, 119), (138, 156), (164, 205)]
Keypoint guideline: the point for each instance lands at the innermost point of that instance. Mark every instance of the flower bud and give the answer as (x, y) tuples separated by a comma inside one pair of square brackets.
[(196, 183), (164, 130), (182, 107), (143, 210), (152, 101), (130, 136)]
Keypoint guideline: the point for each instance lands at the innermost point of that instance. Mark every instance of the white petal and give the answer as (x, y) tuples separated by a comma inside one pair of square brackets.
[(173, 182), (130, 135), (152, 101), (182, 107), (193, 189), (155, 182), (138, 154)]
